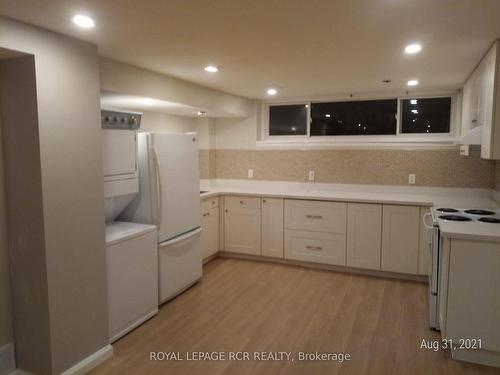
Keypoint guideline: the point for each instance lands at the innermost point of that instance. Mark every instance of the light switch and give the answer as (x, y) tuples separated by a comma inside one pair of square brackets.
[(250, 173), (312, 175), (411, 178)]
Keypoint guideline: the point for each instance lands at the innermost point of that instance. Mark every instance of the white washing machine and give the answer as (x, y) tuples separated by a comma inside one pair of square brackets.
[(132, 275)]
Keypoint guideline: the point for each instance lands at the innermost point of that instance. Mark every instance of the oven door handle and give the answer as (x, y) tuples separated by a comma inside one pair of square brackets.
[(424, 221)]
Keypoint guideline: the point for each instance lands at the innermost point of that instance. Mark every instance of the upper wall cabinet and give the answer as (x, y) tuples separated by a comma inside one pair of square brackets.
[(481, 99)]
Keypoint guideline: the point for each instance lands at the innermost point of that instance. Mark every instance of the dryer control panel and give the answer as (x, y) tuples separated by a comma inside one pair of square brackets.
[(120, 120)]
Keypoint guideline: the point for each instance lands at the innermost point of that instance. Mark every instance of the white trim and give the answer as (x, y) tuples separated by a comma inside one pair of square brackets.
[(134, 325), (7, 358), (325, 144), (90, 362)]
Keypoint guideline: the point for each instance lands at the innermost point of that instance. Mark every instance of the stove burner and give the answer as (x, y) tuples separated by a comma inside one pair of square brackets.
[(446, 209), (492, 220), (455, 218), (479, 212)]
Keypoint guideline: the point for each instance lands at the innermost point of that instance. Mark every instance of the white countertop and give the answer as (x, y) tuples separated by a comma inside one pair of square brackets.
[(405, 195)]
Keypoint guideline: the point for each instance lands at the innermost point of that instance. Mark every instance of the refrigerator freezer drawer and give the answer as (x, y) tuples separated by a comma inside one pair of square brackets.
[(180, 264)]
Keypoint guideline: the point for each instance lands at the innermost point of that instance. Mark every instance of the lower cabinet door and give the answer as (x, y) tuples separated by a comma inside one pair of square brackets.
[(242, 230), (210, 232), (400, 232), (364, 235), (317, 247), (272, 227)]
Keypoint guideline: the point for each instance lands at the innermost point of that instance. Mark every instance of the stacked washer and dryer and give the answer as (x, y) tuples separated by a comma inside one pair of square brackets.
[(153, 219), (131, 248)]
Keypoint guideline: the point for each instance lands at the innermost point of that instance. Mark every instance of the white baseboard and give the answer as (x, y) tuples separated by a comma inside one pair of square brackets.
[(134, 325), (90, 362), (7, 358)]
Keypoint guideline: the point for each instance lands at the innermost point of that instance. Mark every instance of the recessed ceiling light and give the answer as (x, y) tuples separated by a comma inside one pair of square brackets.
[(201, 113), (328, 115), (412, 82), (272, 91), (83, 21), (148, 101), (413, 101), (413, 48), (211, 69)]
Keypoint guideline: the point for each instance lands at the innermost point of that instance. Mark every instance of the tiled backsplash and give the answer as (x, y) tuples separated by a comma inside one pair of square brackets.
[(207, 164), (445, 168)]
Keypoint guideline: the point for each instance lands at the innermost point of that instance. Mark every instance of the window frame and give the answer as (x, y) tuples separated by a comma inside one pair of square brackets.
[(397, 140)]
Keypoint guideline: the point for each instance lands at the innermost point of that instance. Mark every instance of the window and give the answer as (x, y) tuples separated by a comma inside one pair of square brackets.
[(288, 119), (369, 117), (430, 115)]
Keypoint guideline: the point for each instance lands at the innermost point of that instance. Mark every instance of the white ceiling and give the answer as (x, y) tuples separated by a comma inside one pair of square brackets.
[(307, 48)]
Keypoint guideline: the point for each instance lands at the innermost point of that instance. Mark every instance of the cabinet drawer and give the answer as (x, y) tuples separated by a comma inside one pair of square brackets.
[(327, 248), (209, 203), (242, 202), (316, 216)]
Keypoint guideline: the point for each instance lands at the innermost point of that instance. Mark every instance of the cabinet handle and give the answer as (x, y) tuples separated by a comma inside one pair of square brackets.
[(474, 121), (208, 213), (314, 247), (314, 216), (263, 201), (241, 202), (213, 202), (226, 210)]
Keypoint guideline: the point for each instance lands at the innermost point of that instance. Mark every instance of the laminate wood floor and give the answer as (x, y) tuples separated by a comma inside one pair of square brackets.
[(255, 306)]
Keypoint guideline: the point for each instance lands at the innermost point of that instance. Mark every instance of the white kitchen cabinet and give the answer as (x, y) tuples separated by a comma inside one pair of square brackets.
[(472, 303), (316, 216), (272, 227), (400, 235), (424, 244), (317, 247), (210, 232), (481, 96), (242, 225), (364, 235)]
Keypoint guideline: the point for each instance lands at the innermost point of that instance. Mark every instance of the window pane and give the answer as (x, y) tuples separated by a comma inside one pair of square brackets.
[(370, 117), (288, 119), (425, 115)]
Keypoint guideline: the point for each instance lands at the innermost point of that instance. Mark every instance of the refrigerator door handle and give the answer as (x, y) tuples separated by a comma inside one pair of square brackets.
[(182, 237), (159, 194)]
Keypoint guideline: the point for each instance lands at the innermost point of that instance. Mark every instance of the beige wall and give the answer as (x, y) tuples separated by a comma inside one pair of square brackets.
[(239, 133), (67, 83), (444, 168), (5, 297), (25, 213), (497, 175)]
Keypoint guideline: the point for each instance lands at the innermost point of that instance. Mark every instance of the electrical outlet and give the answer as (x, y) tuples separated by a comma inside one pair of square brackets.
[(411, 178), (312, 175), (464, 150), (250, 173)]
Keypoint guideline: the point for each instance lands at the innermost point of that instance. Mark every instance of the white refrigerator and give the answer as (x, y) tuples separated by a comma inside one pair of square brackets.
[(169, 197)]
